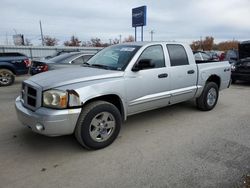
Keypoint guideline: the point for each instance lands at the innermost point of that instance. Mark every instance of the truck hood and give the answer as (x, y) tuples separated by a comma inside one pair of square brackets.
[(61, 77)]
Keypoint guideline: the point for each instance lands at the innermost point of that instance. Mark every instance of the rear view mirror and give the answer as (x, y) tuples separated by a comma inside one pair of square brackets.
[(143, 64)]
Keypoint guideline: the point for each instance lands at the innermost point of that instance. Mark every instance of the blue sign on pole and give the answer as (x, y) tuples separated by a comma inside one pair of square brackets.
[(139, 16)]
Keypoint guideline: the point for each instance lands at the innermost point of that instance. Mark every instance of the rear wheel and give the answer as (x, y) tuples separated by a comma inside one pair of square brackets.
[(6, 77), (209, 97), (98, 125)]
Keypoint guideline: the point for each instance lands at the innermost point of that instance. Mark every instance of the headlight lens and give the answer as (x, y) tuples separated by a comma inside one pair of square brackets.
[(55, 99), (233, 67)]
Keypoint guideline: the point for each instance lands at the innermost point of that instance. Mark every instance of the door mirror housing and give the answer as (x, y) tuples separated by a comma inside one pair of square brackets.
[(143, 64)]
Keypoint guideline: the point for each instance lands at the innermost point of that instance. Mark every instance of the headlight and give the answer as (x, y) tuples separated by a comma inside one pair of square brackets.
[(61, 99), (233, 67), (55, 99)]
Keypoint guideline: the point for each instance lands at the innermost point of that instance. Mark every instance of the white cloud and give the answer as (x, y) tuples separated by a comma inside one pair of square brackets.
[(171, 20)]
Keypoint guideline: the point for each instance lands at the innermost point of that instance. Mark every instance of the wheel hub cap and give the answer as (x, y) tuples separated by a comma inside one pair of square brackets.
[(211, 97), (5, 77), (102, 127)]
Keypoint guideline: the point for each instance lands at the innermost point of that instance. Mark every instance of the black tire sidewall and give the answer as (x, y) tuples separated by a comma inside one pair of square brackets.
[(85, 136)]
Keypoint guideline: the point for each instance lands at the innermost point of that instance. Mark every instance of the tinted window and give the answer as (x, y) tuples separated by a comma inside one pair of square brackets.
[(177, 55), (155, 54)]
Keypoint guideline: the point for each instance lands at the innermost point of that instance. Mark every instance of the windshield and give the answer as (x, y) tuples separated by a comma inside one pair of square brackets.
[(114, 57), (63, 58)]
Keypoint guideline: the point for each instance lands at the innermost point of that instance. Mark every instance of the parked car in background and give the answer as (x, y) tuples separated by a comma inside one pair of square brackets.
[(202, 56), (62, 61), (11, 65), (232, 56), (214, 55), (59, 52), (241, 67)]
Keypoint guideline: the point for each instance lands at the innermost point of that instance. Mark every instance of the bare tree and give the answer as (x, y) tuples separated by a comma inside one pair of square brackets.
[(96, 42), (208, 43), (50, 41), (130, 38), (227, 45), (74, 41), (116, 41)]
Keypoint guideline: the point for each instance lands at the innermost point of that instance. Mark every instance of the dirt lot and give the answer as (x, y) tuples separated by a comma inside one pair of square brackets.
[(177, 146)]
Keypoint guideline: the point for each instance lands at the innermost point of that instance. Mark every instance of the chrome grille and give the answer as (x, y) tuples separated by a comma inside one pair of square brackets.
[(31, 95)]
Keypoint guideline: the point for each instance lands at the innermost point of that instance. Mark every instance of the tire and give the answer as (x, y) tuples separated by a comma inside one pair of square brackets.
[(6, 77), (209, 97), (98, 125)]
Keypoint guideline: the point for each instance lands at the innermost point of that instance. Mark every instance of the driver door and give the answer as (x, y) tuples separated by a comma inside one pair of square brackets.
[(148, 89)]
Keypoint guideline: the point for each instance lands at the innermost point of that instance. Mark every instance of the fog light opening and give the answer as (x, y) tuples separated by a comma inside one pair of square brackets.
[(39, 127)]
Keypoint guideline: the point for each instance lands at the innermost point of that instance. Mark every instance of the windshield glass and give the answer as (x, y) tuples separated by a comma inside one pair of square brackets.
[(114, 57)]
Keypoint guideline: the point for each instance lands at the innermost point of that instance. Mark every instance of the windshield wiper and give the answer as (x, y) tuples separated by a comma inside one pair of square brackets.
[(101, 66), (85, 64)]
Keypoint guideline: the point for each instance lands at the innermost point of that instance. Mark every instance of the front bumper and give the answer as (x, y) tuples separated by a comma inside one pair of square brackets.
[(54, 122)]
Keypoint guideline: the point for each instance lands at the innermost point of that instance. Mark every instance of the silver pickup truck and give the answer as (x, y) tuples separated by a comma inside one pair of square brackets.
[(119, 81)]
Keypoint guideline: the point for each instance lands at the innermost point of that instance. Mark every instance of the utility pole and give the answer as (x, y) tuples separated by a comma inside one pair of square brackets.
[(41, 29), (6, 38), (120, 38), (152, 33)]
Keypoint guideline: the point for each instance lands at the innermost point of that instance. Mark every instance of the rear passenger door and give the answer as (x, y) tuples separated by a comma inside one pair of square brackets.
[(183, 74)]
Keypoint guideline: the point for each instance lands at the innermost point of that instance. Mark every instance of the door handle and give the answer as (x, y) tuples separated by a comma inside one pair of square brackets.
[(228, 69), (164, 75), (191, 72)]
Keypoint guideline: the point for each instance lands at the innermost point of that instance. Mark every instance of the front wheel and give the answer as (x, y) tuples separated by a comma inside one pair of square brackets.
[(6, 77), (98, 125), (209, 97)]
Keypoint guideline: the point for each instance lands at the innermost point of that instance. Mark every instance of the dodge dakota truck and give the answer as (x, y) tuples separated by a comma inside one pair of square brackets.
[(92, 101)]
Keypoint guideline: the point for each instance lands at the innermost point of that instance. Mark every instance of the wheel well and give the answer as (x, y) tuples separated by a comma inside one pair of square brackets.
[(215, 79), (9, 68), (113, 99)]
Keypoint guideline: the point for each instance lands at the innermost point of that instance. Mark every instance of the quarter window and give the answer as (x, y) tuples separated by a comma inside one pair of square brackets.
[(177, 55)]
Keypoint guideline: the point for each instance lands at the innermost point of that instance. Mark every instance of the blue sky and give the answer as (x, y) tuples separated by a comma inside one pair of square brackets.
[(179, 20)]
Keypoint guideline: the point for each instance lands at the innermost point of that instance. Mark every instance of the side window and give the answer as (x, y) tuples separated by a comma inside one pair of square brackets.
[(177, 55), (155, 54), (78, 60)]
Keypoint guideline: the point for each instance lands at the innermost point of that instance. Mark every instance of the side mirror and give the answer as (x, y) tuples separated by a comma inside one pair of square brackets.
[(143, 64)]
